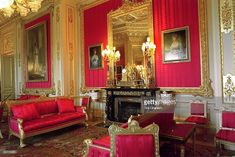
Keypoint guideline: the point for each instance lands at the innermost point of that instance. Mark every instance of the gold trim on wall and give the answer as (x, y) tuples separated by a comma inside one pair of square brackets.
[(205, 89), (226, 16), (50, 90)]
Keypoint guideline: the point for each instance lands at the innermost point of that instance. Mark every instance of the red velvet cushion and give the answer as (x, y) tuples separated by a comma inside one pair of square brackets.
[(197, 109), (85, 102), (103, 141), (143, 145), (97, 152), (66, 105), (47, 107), (51, 120), (25, 112), (228, 119), (226, 135), (197, 120), (124, 125), (33, 96), (23, 97)]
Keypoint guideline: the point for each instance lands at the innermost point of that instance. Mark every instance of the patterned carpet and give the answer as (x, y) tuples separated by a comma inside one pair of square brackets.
[(68, 142)]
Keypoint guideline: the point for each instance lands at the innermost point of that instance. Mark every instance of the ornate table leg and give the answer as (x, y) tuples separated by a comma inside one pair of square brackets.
[(1, 134), (182, 150), (194, 138)]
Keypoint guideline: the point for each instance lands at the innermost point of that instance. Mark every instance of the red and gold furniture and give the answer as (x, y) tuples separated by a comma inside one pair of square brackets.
[(145, 142), (169, 131), (33, 117), (226, 133), (198, 114)]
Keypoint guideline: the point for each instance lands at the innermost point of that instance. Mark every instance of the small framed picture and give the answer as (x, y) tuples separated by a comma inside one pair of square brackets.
[(95, 57), (176, 45)]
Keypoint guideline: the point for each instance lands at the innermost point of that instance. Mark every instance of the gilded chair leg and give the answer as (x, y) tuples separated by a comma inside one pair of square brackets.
[(86, 124), (1, 134), (22, 145), (9, 136), (218, 148), (87, 143)]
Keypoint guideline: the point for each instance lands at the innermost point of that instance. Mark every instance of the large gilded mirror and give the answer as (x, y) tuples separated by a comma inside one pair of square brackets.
[(227, 49), (128, 28)]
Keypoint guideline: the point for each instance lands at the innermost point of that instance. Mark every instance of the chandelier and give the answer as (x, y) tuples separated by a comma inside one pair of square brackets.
[(23, 7)]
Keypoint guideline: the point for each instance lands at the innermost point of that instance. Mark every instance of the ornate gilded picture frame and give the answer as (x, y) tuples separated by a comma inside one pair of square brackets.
[(176, 45), (36, 52), (95, 56)]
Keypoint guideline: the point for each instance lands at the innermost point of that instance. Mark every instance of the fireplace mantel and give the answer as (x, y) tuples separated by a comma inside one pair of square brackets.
[(114, 93)]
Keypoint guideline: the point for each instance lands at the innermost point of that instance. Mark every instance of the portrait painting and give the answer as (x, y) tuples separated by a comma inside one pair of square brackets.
[(95, 57), (176, 45), (36, 51)]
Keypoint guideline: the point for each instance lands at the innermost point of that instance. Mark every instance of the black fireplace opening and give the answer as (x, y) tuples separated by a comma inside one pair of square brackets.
[(126, 109)]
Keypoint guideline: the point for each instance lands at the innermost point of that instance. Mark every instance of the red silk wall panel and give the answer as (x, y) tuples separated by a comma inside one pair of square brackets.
[(95, 31), (167, 14), (47, 84), (170, 14)]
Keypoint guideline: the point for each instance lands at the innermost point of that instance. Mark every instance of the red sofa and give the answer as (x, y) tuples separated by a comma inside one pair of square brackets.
[(33, 117)]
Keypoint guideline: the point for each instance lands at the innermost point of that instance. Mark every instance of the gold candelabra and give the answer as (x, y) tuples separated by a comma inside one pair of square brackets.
[(148, 49), (111, 56)]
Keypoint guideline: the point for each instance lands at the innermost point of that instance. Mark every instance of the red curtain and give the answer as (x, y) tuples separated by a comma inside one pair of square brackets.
[(167, 14), (170, 14), (95, 32)]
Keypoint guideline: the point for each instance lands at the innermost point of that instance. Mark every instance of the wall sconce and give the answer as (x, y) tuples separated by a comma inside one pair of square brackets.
[(111, 56), (148, 49)]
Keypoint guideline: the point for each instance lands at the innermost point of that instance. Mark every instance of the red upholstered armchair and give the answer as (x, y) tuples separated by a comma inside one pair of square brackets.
[(121, 141), (198, 112), (226, 133)]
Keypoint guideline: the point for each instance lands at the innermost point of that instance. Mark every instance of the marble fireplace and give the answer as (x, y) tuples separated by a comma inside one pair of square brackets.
[(123, 102)]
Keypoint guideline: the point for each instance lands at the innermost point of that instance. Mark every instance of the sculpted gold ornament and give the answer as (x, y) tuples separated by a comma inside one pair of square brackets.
[(229, 88), (23, 7), (226, 15)]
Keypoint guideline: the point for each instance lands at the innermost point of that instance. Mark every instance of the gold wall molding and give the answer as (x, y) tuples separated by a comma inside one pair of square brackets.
[(59, 87), (58, 14), (8, 43), (226, 15), (91, 5), (205, 89), (72, 87)]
